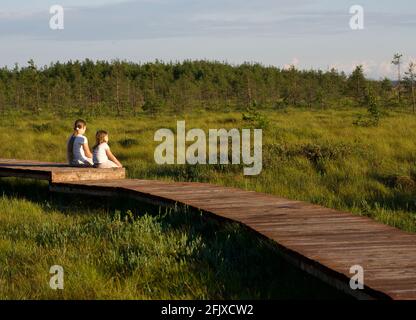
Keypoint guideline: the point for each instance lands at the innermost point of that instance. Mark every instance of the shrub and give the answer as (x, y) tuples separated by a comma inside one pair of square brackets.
[(373, 117), (43, 127), (254, 118), (402, 183), (153, 105), (126, 143)]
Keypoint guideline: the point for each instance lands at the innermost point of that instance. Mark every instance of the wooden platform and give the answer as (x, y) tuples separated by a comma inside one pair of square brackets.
[(55, 172), (321, 241)]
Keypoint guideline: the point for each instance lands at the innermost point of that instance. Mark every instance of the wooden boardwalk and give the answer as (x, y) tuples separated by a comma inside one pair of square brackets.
[(324, 242), (55, 172)]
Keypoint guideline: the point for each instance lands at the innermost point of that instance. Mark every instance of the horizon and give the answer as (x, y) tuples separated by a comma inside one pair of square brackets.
[(236, 65)]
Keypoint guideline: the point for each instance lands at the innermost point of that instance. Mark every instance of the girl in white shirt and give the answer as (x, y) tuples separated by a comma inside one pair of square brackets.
[(78, 151), (102, 156)]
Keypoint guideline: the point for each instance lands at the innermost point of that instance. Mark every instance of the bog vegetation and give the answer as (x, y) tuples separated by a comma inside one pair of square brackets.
[(338, 140), (111, 252)]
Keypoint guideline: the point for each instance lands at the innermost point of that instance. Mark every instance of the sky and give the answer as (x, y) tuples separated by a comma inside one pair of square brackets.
[(310, 34)]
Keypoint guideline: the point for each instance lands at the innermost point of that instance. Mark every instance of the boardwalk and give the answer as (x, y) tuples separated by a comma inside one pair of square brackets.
[(321, 241), (55, 172)]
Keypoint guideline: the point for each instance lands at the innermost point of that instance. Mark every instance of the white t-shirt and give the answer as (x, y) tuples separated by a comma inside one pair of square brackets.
[(99, 154), (78, 150)]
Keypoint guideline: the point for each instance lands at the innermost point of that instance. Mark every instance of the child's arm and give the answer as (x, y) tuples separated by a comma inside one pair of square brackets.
[(112, 157), (68, 151), (87, 151)]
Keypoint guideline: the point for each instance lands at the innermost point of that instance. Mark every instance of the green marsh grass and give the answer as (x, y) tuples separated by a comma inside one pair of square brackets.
[(318, 156), (116, 249)]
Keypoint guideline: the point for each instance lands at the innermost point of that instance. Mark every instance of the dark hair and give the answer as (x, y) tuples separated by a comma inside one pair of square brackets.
[(79, 124)]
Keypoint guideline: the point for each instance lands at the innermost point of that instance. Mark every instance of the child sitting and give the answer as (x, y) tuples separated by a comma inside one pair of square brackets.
[(102, 156), (78, 151)]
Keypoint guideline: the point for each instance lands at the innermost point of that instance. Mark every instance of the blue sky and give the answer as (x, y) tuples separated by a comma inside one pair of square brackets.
[(307, 33)]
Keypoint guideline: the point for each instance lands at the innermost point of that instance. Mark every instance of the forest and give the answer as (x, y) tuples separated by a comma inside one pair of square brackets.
[(126, 88)]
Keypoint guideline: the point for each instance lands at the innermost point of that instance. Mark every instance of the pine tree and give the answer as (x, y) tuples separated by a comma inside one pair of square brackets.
[(410, 80), (397, 61), (357, 83)]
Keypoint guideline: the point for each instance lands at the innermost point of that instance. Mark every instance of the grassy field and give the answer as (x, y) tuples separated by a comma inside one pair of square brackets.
[(316, 156), (123, 250)]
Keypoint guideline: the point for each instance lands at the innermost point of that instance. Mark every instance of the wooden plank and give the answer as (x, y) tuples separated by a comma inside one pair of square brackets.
[(56, 172)]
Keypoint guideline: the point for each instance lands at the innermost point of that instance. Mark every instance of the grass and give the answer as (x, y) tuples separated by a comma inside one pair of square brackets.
[(125, 251), (318, 156)]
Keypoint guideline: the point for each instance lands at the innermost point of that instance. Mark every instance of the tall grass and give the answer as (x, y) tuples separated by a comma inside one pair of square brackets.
[(317, 156), (122, 250)]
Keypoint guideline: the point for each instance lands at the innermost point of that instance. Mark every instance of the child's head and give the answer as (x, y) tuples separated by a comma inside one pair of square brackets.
[(101, 137), (80, 126)]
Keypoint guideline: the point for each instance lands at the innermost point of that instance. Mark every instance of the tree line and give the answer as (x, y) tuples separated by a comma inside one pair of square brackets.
[(121, 87)]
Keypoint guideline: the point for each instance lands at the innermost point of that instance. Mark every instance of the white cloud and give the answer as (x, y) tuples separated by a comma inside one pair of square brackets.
[(295, 63), (386, 69), (373, 69)]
